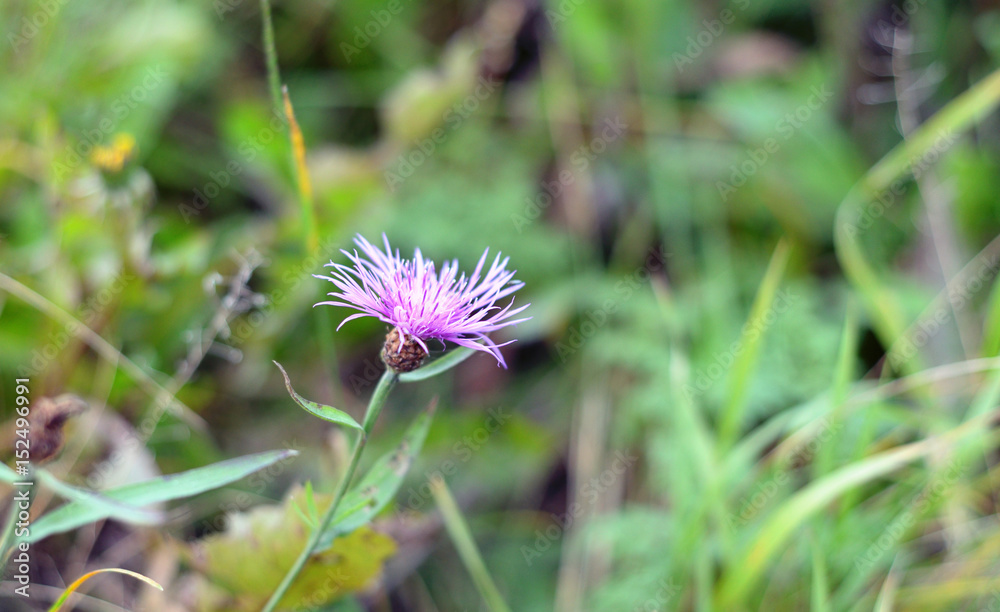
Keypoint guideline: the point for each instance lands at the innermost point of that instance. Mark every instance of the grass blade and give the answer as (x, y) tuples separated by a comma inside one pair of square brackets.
[(750, 339), (843, 375), (302, 179), (7, 474), (466, 545), (270, 54), (79, 582), (745, 572), (820, 593), (959, 114)]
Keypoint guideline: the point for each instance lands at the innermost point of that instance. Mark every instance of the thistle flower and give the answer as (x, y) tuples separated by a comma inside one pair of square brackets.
[(422, 304)]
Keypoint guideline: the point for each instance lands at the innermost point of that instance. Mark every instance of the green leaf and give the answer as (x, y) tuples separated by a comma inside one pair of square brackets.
[(468, 552), (113, 509), (439, 365), (380, 484), (991, 327), (309, 516), (881, 303), (7, 539), (7, 474), (782, 524), (819, 595), (311, 503), (327, 413), (248, 560), (751, 340), (156, 490)]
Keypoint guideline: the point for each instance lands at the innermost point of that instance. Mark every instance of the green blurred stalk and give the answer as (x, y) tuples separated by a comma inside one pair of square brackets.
[(466, 546), (283, 105), (385, 385), (271, 54), (886, 311), (751, 339)]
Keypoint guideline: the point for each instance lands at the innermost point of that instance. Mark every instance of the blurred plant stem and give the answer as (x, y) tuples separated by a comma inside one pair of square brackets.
[(385, 385), (165, 398), (58, 605), (462, 538), (882, 304), (303, 183), (273, 78)]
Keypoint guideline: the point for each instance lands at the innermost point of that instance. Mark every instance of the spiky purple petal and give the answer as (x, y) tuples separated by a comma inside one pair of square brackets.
[(423, 304)]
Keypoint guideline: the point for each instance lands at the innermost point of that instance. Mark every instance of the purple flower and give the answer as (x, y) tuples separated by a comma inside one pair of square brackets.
[(421, 303)]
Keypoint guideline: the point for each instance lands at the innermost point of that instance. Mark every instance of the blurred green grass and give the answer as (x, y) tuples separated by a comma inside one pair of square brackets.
[(643, 253)]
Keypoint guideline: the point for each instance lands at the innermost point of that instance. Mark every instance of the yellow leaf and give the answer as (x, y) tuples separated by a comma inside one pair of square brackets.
[(250, 558)]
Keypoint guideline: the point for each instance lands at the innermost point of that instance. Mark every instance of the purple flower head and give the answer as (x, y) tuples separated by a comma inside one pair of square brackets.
[(424, 304)]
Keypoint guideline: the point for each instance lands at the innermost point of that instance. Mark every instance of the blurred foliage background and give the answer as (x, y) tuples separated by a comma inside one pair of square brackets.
[(703, 412)]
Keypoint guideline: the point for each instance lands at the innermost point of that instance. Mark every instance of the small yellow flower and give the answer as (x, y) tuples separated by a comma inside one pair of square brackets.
[(113, 158)]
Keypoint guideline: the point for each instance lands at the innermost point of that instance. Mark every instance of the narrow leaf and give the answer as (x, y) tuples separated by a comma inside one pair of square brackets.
[(380, 484), (461, 537), (311, 503), (113, 509), (783, 523), (819, 595), (942, 128), (751, 340), (327, 413), (79, 582), (439, 365), (8, 475), (7, 539), (887, 595), (301, 175), (156, 490)]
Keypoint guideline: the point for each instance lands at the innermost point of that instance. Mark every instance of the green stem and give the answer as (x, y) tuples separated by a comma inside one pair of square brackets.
[(385, 385), (466, 545), (271, 53)]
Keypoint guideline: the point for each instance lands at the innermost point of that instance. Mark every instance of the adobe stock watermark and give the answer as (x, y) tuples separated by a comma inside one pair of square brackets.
[(119, 109), (225, 6), (763, 492), (86, 315), (785, 128), (258, 482), (665, 593), (407, 163), (752, 329), (593, 320), (888, 197), (712, 30), (580, 159), (562, 11), (461, 452), (372, 29), (241, 330), (958, 297), (901, 15), (895, 530), (320, 598), (232, 304), (248, 149), (372, 372), (591, 491), (31, 26), (993, 605)]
